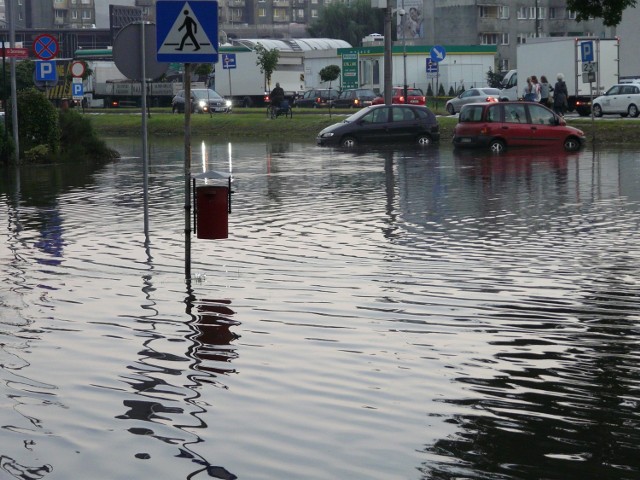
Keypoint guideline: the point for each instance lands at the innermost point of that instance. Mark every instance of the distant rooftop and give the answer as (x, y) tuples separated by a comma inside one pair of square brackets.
[(294, 44)]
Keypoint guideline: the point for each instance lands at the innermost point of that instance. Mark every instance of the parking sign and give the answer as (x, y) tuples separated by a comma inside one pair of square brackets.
[(586, 51)]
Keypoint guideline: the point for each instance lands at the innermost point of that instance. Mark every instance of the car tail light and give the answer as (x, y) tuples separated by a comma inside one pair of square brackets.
[(491, 99), (319, 100), (423, 99), (356, 102), (115, 103), (401, 99), (266, 98)]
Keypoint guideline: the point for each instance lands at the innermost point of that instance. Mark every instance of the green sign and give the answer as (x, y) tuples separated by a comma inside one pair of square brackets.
[(349, 70)]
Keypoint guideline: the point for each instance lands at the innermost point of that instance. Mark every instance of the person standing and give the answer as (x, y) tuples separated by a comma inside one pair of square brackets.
[(528, 91), (545, 90), (560, 94), (535, 89)]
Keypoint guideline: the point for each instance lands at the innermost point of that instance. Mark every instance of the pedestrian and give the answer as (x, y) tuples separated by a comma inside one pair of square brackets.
[(560, 94), (535, 89), (528, 91), (545, 91)]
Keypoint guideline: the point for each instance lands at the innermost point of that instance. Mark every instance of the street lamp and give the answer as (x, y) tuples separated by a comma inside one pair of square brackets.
[(402, 13)]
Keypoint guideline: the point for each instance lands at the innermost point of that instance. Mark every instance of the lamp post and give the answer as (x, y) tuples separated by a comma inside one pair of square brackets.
[(402, 13)]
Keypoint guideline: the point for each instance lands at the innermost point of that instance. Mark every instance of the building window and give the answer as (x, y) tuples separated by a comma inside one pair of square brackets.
[(262, 12), (489, 39), (503, 12), (504, 39), (74, 14), (85, 2), (522, 13), (552, 13), (86, 14), (483, 11), (542, 13), (60, 14), (301, 13), (531, 13), (522, 38), (314, 13), (571, 15), (503, 64)]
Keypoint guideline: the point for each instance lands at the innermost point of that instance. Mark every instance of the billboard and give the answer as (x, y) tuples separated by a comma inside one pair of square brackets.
[(411, 24)]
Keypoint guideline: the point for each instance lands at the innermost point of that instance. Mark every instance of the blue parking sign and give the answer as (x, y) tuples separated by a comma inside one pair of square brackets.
[(586, 51), (46, 71), (77, 91)]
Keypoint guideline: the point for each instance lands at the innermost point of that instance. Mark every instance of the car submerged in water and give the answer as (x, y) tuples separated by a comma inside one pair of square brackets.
[(502, 125), (383, 124)]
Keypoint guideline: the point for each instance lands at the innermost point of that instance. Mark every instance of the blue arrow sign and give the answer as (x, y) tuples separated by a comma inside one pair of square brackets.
[(187, 31), (228, 60), (438, 53), (46, 71)]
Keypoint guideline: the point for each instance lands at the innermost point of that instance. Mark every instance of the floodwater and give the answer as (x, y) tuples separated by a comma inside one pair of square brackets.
[(396, 314)]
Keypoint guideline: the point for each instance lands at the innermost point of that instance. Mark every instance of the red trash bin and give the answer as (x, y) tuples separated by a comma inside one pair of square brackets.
[(212, 206)]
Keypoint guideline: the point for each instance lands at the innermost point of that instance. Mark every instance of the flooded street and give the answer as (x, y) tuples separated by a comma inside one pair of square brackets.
[(396, 314)]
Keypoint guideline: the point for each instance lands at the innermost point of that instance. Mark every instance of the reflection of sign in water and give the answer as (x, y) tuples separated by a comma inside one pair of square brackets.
[(349, 70)]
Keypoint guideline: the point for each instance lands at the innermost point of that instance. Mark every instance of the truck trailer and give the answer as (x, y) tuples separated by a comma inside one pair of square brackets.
[(590, 66)]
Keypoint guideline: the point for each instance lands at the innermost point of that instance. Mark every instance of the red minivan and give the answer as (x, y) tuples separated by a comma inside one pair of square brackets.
[(514, 124)]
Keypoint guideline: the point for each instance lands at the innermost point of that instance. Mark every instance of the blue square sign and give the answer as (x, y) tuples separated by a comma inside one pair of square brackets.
[(187, 31)]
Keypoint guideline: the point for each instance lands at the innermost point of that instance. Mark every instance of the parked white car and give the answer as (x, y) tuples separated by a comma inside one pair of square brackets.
[(622, 99)]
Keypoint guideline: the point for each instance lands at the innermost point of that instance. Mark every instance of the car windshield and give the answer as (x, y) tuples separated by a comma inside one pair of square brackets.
[(206, 94), (357, 115), (414, 92), (491, 91)]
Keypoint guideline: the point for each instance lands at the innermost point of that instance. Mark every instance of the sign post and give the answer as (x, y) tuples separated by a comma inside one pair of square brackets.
[(438, 53), (187, 31), (229, 63)]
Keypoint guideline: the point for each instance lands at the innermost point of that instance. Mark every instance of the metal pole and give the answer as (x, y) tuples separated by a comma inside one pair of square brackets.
[(187, 170), (404, 53), (388, 76), (145, 148), (14, 94)]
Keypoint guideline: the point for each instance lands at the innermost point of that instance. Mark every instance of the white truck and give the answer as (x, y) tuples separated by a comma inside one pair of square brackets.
[(245, 85), (567, 55)]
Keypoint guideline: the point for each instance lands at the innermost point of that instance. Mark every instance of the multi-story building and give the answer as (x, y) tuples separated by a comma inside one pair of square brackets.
[(504, 23), (51, 14)]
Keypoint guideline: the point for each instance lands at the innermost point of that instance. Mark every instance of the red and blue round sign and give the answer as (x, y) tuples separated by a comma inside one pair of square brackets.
[(45, 46)]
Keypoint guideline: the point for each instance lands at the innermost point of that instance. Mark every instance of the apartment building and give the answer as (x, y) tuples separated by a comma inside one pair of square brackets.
[(50, 14)]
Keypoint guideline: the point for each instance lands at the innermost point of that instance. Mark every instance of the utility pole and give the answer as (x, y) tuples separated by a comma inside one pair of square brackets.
[(388, 59)]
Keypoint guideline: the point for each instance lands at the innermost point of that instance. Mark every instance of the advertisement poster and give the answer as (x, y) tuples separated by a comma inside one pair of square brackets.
[(411, 24)]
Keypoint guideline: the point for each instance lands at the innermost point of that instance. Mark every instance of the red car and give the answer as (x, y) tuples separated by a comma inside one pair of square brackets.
[(414, 96), (514, 124)]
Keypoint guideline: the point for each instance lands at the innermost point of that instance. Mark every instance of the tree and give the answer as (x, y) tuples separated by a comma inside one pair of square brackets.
[(329, 74), (267, 61), (348, 21), (494, 79), (610, 11)]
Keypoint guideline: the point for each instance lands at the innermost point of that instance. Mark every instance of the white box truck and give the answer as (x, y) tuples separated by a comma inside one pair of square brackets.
[(575, 58), (245, 85)]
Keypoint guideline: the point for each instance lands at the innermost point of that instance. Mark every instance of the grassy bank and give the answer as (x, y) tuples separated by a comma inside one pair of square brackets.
[(304, 125)]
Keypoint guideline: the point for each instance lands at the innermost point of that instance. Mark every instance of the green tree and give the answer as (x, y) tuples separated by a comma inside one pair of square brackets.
[(267, 61), (347, 21), (329, 74), (610, 11), (441, 91), (494, 79)]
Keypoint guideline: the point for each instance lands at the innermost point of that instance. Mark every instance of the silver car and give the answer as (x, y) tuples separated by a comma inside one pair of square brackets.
[(202, 100), (473, 95), (622, 99)]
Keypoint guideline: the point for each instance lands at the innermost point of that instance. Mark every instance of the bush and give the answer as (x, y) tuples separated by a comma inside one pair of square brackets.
[(37, 154), (429, 91), (78, 139), (452, 93), (37, 121), (441, 91)]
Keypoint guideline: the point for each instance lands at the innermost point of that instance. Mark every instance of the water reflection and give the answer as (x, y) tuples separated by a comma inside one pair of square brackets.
[(443, 308)]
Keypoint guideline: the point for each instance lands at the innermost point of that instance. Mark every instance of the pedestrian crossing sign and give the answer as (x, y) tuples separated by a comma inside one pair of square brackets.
[(187, 31)]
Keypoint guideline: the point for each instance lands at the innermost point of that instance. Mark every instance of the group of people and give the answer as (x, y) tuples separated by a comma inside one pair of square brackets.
[(541, 92)]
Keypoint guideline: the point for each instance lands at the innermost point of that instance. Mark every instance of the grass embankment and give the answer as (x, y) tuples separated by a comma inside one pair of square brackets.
[(305, 124)]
